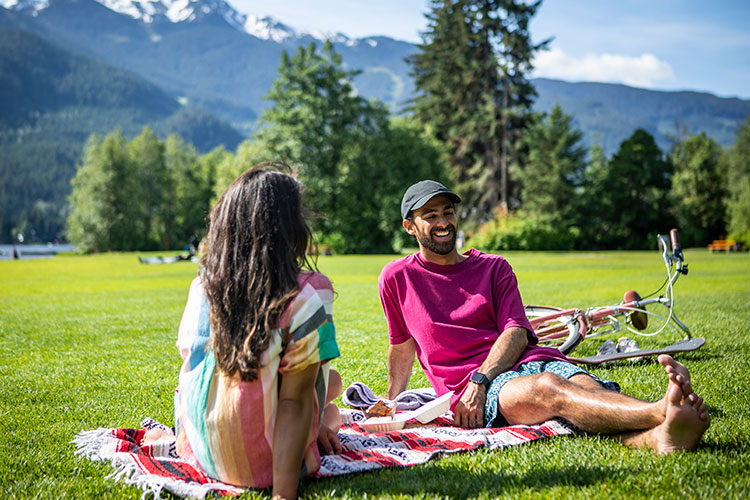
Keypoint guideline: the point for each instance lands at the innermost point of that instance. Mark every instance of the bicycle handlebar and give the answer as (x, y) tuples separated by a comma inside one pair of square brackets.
[(676, 249)]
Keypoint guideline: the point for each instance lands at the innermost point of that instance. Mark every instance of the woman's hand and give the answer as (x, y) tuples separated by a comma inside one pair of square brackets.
[(328, 442)]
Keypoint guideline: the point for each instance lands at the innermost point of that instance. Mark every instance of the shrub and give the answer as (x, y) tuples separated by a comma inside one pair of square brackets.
[(524, 231)]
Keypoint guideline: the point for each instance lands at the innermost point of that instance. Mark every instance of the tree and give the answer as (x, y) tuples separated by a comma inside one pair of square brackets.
[(472, 72), (698, 190), (153, 188), (101, 208), (553, 171), (376, 174), (318, 124), (249, 153), (194, 178), (627, 203), (316, 116), (738, 185), (140, 195)]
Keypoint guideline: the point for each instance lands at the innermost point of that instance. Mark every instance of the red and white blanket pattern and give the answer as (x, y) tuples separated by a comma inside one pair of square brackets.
[(158, 468)]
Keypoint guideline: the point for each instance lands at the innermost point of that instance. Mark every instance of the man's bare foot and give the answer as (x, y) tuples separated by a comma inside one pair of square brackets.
[(685, 422), (700, 405), (678, 374)]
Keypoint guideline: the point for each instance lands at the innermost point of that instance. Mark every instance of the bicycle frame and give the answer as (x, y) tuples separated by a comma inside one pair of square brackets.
[(566, 328)]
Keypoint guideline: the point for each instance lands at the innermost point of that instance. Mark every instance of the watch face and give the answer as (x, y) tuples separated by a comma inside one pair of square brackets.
[(480, 378)]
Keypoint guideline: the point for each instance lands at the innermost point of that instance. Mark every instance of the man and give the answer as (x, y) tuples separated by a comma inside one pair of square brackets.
[(462, 316)]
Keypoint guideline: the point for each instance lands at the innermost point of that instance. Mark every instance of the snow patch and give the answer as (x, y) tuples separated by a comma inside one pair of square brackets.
[(177, 11), (267, 28), (32, 5)]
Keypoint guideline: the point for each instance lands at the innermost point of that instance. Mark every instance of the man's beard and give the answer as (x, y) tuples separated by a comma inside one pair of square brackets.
[(440, 248)]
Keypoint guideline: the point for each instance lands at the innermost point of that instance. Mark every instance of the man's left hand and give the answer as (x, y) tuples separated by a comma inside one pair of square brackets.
[(469, 411)]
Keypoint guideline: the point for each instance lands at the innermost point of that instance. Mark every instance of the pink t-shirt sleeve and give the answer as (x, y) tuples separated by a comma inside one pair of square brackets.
[(508, 303), (397, 331)]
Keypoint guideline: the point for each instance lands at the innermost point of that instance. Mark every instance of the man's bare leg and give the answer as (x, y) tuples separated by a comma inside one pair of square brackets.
[(676, 422), (533, 399)]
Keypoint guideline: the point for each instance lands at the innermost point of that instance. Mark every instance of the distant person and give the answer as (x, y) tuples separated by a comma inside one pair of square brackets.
[(190, 248), (253, 406), (462, 316)]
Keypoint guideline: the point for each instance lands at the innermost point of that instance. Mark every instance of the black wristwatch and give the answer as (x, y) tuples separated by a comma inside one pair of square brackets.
[(480, 378)]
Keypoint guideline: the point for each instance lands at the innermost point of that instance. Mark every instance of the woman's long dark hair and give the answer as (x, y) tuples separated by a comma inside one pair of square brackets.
[(257, 245)]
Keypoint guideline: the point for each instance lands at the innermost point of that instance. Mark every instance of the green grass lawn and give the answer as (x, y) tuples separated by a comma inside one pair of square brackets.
[(88, 342)]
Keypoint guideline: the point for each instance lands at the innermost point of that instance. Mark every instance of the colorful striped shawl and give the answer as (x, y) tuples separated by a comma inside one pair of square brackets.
[(224, 425)]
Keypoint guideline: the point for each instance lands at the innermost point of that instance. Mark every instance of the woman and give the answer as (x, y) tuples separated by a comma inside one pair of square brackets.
[(256, 338)]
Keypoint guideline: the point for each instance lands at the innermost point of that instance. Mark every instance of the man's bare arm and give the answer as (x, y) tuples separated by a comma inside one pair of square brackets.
[(469, 411), (400, 362)]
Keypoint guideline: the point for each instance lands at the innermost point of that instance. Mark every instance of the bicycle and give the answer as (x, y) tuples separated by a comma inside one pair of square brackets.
[(565, 329)]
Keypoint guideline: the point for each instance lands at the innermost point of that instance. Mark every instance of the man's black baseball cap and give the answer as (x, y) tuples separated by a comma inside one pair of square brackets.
[(420, 193)]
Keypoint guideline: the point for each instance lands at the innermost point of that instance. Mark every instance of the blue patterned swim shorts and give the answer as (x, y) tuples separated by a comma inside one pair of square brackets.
[(564, 369)]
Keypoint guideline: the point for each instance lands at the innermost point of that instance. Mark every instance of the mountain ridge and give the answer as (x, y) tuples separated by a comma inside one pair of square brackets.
[(179, 11), (214, 64), (52, 101)]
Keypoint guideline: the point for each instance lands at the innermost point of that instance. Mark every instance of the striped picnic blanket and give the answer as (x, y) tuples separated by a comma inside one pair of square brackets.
[(158, 468)]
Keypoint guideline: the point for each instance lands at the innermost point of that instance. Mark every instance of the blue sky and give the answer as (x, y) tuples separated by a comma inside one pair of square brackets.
[(657, 44)]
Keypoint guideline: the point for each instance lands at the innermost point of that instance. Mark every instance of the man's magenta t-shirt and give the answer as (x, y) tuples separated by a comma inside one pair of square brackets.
[(455, 314)]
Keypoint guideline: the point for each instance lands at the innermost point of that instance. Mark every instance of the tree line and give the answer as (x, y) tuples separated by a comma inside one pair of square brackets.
[(526, 180)]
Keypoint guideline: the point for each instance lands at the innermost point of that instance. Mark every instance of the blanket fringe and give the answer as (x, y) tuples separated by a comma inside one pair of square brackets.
[(129, 473), (89, 443), (93, 445)]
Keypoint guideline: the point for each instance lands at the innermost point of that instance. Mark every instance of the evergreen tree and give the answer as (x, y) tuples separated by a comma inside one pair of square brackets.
[(553, 172), (738, 185), (472, 72), (627, 203), (698, 190)]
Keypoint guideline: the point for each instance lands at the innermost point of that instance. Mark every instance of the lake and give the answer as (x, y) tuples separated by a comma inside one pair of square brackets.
[(33, 251)]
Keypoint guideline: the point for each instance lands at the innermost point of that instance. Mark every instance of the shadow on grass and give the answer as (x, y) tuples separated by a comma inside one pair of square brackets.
[(689, 357), (459, 482)]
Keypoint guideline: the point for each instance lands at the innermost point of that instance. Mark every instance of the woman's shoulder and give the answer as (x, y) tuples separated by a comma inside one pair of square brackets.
[(316, 280)]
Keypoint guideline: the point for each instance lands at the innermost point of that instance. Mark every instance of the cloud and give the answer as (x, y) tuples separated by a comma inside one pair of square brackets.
[(645, 70)]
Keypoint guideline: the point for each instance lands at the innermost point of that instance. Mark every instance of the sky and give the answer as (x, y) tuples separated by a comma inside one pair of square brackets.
[(655, 44)]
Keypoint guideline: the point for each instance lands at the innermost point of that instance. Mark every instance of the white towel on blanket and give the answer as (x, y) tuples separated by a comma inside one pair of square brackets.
[(358, 395)]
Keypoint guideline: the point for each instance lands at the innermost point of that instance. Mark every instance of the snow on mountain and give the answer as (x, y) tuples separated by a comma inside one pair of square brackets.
[(30, 5), (269, 28), (177, 11)]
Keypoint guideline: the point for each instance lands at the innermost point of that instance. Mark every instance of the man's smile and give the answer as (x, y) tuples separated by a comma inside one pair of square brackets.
[(443, 234)]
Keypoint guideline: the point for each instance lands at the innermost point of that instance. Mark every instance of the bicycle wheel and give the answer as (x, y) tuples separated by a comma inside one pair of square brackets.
[(562, 331)]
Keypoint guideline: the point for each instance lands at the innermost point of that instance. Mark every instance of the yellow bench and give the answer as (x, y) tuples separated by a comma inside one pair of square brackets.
[(726, 245)]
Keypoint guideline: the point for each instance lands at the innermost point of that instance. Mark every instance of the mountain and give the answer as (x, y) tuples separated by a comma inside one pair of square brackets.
[(52, 100), (207, 54), (609, 113)]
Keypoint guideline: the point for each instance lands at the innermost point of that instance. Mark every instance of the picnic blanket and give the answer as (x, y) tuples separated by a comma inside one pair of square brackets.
[(157, 468)]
